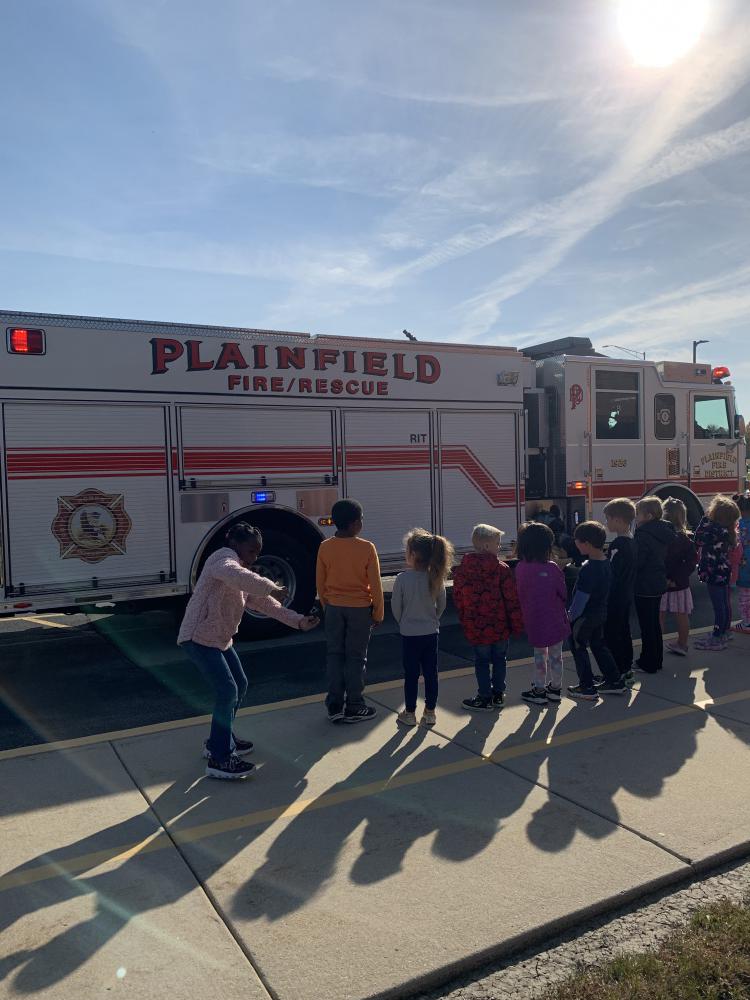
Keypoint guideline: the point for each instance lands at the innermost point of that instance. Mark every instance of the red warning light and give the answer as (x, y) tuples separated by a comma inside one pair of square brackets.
[(24, 341), (720, 373)]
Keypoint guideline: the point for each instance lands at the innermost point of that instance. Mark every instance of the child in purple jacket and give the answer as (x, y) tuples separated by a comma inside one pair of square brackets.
[(543, 596)]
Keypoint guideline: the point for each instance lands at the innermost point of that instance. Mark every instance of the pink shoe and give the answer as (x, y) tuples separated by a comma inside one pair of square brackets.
[(711, 643), (675, 647), (742, 628)]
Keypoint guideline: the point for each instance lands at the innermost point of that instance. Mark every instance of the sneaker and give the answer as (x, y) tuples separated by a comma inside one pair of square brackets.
[(536, 696), (428, 718), (677, 649), (229, 770), (498, 700), (582, 693), (241, 748), (742, 627), (598, 679), (553, 694), (628, 678), (618, 687), (712, 643), (362, 714), (477, 704), (335, 714), (407, 718)]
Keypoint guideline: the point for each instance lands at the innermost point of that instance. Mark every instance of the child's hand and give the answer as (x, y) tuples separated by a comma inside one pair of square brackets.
[(281, 594), (376, 624), (308, 623)]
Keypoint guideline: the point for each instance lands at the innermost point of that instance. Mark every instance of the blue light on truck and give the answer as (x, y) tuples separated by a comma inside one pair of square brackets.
[(264, 496)]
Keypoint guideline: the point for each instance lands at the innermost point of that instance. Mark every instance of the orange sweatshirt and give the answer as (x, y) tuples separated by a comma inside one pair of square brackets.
[(348, 575)]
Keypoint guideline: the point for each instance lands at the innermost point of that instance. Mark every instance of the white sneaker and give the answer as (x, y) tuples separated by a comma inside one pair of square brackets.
[(406, 718)]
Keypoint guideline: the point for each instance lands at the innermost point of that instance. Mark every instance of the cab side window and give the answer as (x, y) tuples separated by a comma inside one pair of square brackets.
[(711, 418), (617, 406)]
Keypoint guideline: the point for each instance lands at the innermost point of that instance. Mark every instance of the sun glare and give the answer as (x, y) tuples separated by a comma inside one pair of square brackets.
[(658, 32)]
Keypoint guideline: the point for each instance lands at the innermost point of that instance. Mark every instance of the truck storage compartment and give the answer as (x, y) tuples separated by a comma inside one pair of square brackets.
[(87, 489)]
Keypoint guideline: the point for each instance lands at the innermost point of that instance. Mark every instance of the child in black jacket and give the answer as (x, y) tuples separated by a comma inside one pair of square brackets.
[(652, 538)]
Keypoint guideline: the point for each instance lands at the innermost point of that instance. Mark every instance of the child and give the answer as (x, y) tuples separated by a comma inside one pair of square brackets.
[(743, 576), (543, 595), (588, 612), (681, 560), (225, 588), (620, 515), (351, 592), (417, 602), (652, 538), (487, 604), (715, 536)]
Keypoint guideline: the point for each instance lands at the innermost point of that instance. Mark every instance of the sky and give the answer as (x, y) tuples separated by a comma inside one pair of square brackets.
[(498, 172)]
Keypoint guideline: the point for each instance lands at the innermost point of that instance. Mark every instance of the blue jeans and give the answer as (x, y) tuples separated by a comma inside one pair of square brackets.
[(420, 655), (223, 670), (493, 656), (722, 604)]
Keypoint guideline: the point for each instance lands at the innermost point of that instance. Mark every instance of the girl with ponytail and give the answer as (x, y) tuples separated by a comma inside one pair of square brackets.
[(417, 602)]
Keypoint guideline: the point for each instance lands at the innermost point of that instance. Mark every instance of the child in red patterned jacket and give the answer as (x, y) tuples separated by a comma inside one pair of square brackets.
[(485, 597)]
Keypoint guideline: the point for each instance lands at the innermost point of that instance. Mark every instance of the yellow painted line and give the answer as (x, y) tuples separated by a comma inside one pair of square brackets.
[(276, 706), (41, 621), (159, 840)]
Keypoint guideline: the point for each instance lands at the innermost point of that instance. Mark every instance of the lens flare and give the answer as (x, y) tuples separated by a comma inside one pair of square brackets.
[(658, 32)]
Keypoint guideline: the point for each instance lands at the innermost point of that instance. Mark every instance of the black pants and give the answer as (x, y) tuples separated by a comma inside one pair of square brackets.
[(617, 635), (652, 647), (420, 655), (588, 633)]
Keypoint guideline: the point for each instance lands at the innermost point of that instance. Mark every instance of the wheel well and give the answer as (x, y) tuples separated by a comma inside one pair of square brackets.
[(691, 501), (276, 518)]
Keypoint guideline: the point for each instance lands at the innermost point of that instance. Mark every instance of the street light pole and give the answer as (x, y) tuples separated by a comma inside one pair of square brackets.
[(695, 347)]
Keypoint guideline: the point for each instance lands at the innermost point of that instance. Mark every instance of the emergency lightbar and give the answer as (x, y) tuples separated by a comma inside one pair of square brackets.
[(24, 341)]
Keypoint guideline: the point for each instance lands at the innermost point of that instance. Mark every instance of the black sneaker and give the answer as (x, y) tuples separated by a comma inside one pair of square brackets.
[(229, 770), (477, 704), (498, 700), (617, 687), (362, 714), (628, 678), (241, 748), (582, 693), (553, 694), (335, 715), (598, 679), (535, 696)]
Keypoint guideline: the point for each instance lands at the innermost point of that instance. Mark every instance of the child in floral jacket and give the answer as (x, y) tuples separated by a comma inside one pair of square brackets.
[(486, 600)]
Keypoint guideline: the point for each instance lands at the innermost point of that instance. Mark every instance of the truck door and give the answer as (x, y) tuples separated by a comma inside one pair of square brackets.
[(617, 433), (387, 466), (713, 447), (88, 495), (479, 472)]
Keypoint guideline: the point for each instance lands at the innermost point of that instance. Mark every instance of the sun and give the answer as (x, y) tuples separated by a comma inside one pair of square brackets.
[(658, 32)]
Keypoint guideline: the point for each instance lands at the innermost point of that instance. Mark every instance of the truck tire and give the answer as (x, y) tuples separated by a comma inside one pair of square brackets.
[(290, 562)]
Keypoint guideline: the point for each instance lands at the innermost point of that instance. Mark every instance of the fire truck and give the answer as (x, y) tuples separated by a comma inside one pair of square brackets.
[(127, 448)]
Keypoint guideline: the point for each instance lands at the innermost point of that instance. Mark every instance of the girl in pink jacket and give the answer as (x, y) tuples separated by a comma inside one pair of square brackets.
[(225, 588)]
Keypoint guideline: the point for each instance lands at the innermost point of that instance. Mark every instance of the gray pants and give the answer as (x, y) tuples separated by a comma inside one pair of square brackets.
[(347, 635)]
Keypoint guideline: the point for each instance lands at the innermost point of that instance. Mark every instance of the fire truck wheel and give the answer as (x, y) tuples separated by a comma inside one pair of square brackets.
[(290, 563)]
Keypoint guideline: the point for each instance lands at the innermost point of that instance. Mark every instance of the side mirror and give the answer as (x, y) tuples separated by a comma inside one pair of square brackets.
[(739, 425)]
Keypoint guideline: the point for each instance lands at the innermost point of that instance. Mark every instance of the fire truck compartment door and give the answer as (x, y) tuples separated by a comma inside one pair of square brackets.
[(257, 445), (88, 494), (478, 472), (387, 463)]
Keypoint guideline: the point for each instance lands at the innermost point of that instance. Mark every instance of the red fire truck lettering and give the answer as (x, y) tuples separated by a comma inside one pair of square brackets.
[(428, 368), (321, 386), (352, 387), (260, 383), (399, 369), (290, 357), (259, 356), (375, 363), (349, 365), (231, 355), (164, 351), (277, 384), (305, 385), (234, 380), (337, 387), (324, 357), (382, 388), (194, 357)]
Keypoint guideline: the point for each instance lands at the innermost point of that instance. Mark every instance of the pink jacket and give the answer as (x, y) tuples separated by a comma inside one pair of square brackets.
[(224, 589)]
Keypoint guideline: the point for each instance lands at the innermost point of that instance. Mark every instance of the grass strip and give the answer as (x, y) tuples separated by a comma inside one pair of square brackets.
[(708, 960)]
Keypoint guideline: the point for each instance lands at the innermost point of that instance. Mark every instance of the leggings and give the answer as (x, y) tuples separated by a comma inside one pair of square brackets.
[(743, 599), (548, 666), (719, 594)]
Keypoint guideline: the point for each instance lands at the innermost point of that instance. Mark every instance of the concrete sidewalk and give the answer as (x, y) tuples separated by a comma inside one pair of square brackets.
[(363, 861)]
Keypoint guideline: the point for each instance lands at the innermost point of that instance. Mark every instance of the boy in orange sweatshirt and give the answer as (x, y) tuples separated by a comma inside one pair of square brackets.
[(351, 593)]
